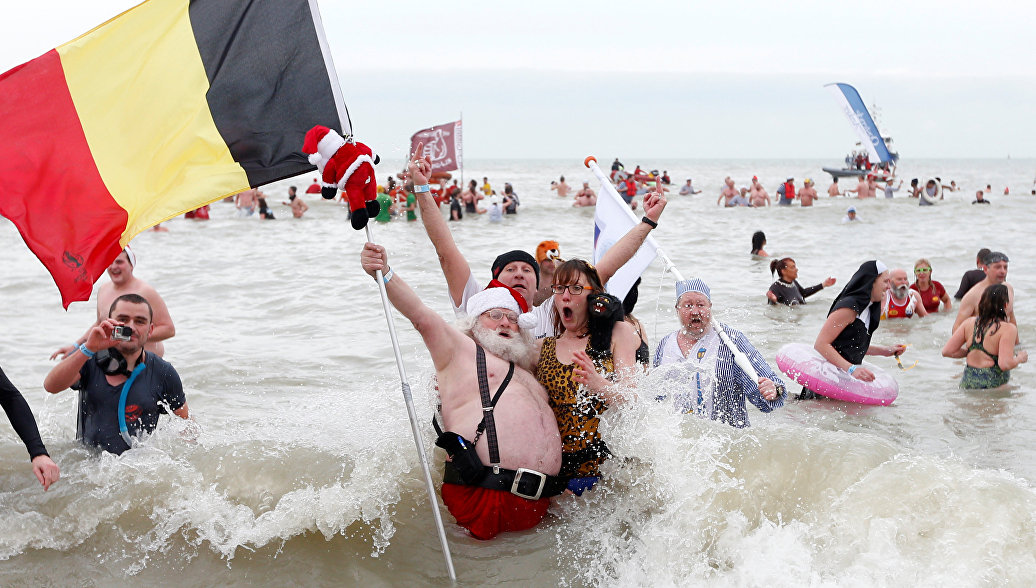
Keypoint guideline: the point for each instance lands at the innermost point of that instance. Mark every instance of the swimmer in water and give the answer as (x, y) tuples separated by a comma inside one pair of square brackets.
[(990, 356), (758, 242), (787, 290)]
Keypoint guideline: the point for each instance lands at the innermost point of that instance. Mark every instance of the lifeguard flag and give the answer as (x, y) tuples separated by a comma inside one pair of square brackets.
[(167, 107), (443, 144)]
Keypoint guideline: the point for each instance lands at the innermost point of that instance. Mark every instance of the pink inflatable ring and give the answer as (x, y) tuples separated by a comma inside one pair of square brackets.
[(806, 366)]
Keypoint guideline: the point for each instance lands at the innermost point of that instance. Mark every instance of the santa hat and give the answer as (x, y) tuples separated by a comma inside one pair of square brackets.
[(132, 257), (500, 297), (321, 143)]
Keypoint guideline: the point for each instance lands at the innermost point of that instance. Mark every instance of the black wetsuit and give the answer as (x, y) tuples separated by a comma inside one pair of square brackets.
[(970, 278), (21, 417), (157, 386), (792, 293)]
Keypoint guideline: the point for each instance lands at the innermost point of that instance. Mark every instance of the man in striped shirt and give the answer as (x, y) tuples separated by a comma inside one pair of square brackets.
[(700, 365)]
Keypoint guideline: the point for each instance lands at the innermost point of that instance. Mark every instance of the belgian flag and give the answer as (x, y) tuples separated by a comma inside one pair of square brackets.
[(169, 106)]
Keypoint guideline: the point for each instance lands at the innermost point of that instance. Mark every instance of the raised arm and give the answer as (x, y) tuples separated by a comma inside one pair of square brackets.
[(66, 372), (454, 266), (439, 337), (626, 247)]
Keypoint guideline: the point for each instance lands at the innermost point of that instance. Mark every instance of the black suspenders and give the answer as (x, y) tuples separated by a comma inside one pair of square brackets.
[(488, 424)]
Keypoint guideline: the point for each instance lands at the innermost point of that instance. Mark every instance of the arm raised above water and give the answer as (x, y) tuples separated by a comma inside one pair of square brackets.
[(454, 266), (441, 339)]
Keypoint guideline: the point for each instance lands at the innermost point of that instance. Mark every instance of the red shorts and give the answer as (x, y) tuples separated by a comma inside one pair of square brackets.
[(486, 513)]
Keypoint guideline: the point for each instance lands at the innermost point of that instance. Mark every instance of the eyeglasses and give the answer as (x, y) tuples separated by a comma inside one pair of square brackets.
[(497, 314), (689, 306), (923, 270), (573, 288)]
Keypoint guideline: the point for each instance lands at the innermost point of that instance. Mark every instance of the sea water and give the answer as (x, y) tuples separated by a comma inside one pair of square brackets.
[(304, 471)]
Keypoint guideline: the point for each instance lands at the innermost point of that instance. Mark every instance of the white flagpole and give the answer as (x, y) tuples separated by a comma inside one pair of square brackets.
[(409, 400), (739, 357)]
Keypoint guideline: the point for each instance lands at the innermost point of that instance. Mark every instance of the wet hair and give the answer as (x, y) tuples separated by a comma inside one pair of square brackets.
[(913, 182), (778, 265), (132, 299), (758, 240), (992, 308), (836, 180), (568, 273), (982, 253)]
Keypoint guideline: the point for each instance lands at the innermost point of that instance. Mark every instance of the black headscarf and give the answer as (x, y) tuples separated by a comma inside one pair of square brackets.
[(857, 292)]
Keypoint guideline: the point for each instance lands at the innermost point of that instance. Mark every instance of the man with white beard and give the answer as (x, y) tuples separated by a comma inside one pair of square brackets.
[(713, 385), (492, 352), (900, 301)]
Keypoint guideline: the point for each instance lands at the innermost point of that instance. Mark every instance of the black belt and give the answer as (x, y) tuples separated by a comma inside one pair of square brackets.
[(528, 484)]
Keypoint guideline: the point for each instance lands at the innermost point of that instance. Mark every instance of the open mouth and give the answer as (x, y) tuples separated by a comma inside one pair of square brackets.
[(504, 334), (566, 313)]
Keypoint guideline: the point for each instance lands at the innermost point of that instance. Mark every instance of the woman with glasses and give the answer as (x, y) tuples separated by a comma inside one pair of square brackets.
[(787, 290), (990, 356), (932, 292), (579, 388)]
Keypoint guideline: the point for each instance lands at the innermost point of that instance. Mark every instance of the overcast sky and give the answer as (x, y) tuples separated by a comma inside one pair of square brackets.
[(658, 79)]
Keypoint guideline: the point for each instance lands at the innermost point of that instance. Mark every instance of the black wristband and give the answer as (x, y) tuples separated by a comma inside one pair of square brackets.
[(649, 222)]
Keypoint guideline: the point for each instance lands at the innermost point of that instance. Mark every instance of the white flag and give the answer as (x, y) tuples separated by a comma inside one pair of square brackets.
[(612, 220)]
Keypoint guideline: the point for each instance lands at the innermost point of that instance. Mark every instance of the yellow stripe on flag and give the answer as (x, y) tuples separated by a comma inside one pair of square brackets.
[(139, 87)]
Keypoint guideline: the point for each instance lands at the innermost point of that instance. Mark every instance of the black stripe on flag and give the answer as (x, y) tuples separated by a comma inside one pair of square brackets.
[(268, 84)]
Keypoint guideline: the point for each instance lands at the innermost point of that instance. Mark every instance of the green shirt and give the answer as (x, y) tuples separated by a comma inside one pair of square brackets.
[(411, 200), (385, 201)]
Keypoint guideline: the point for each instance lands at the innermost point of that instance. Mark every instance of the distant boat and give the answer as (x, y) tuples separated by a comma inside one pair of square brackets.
[(873, 149)]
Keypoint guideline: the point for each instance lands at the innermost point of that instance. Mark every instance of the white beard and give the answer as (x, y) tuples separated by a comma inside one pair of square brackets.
[(517, 348), (901, 292)]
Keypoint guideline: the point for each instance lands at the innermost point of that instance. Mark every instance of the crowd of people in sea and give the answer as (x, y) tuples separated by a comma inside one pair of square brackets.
[(543, 343)]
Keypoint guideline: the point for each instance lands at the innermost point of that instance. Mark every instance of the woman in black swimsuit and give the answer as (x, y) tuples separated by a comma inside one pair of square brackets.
[(787, 290)]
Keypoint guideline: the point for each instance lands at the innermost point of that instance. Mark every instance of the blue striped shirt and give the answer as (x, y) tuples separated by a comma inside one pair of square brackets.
[(732, 384)]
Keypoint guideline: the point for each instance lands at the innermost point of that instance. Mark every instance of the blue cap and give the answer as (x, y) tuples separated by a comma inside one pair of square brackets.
[(692, 285)]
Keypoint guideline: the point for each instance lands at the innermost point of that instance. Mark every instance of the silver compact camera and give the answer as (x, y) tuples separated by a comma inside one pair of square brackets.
[(122, 333)]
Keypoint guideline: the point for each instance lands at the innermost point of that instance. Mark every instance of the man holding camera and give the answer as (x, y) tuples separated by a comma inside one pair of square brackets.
[(123, 388)]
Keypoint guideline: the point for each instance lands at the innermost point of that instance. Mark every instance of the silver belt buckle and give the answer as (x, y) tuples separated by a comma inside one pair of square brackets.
[(517, 478)]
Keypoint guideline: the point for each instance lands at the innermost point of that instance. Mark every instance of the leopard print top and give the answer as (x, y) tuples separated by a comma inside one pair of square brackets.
[(578, 413)]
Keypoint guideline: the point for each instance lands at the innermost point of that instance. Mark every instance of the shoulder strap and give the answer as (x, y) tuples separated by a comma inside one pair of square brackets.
[(488, 424)]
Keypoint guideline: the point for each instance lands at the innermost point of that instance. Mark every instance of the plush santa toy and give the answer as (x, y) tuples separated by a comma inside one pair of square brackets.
[(345, 165)]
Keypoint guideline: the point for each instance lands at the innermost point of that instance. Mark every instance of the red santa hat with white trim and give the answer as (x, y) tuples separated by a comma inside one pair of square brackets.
[(320, 144), (500, 296)]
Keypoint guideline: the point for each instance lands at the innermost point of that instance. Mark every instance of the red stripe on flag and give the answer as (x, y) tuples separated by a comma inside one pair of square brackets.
[(52, 190)]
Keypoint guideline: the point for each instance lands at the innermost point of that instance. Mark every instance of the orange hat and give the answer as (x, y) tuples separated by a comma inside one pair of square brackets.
[(548, 250)]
